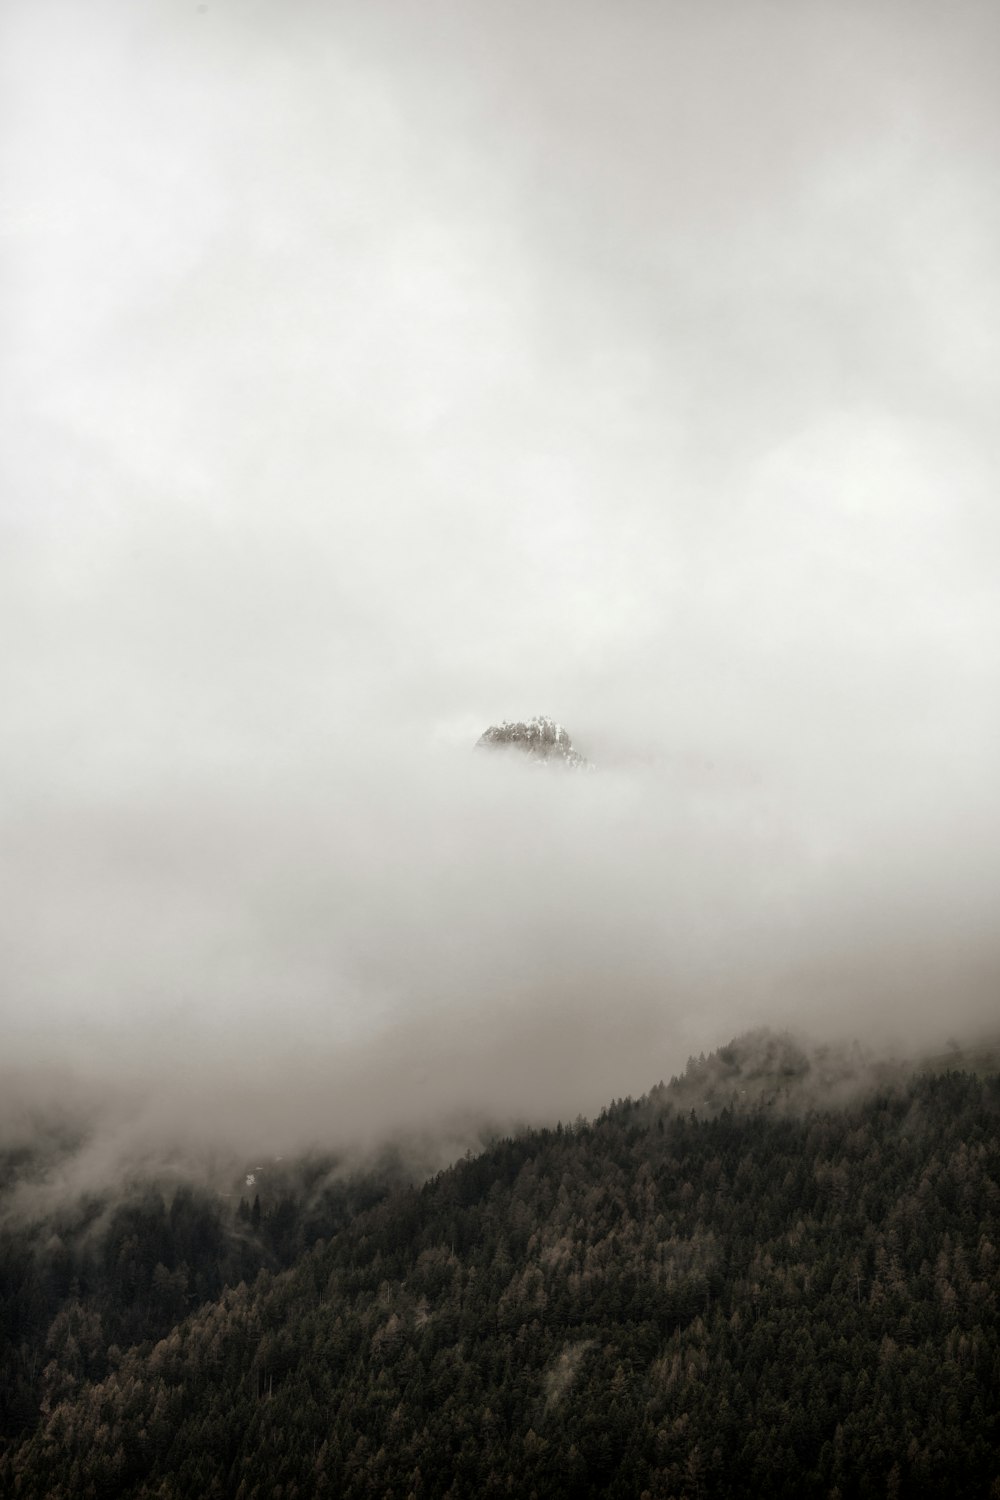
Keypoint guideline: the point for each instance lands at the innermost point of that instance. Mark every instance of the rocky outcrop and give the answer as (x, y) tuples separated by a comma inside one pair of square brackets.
[(542, 739)]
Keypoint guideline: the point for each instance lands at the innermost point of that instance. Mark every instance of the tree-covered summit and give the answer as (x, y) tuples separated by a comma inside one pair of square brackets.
[(542, 739)]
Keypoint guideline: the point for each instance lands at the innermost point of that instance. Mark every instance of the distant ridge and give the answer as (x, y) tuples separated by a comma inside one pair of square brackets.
[(542, 739)]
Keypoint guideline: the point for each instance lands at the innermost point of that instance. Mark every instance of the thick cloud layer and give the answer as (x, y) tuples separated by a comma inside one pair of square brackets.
[(369, 381)]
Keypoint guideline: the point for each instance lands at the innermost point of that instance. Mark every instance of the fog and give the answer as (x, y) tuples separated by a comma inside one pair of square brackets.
[(373, 375)]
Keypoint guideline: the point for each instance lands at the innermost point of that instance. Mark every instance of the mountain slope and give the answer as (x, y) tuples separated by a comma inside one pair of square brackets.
[(758, 1301)]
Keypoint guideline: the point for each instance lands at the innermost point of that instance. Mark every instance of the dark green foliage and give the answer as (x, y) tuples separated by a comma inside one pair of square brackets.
[(101, 1276), (656, 1305)]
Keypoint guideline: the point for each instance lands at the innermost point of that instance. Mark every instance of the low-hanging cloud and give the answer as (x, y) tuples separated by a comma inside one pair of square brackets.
[(345, 422), (411, 939)]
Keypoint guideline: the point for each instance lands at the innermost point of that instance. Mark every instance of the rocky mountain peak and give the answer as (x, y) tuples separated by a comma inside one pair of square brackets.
[(543, 739)]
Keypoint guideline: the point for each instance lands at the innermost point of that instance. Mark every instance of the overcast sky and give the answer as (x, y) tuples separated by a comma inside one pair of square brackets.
[(371, 373)]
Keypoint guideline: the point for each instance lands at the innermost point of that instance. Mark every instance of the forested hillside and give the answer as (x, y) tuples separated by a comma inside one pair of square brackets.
[(122, 1265), (747, 1299)]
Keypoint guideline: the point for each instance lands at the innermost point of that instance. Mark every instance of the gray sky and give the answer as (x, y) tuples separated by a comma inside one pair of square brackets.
[(372, 373)]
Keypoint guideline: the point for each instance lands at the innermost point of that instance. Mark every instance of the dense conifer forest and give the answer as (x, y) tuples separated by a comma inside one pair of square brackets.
[(749, 1282)]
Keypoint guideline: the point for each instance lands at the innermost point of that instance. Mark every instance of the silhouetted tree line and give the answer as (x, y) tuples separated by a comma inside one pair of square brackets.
[(657, 1304)]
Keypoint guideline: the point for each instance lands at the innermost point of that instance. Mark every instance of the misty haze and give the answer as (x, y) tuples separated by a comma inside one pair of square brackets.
[(498, 611)]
